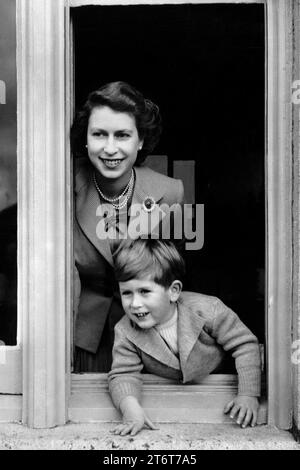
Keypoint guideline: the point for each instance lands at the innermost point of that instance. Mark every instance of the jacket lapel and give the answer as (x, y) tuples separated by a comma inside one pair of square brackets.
[(146, 185), (141, 221), (87, 212), (189, 328), (152, 343)]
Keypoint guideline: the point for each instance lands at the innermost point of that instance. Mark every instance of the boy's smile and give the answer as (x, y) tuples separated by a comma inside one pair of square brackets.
[(147, 303)]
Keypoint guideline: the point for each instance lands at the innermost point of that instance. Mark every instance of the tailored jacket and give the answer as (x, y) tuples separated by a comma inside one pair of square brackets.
[(206, 330), (96, 290)]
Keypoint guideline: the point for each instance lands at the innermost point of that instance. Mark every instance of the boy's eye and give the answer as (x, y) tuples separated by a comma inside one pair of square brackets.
[(145, 291), (126, 292)]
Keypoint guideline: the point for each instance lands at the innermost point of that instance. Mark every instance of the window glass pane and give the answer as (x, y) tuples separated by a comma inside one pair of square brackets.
[(8, 174)]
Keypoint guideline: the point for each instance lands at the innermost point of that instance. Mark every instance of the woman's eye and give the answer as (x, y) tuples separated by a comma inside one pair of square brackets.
[(98, 134), (145, 291), (122, 135)]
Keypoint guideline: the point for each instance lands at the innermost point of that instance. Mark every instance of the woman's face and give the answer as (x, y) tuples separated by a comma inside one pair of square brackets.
[(112, 142)]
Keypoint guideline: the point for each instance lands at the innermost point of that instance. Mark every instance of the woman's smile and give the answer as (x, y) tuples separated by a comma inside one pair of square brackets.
[(111, 163)]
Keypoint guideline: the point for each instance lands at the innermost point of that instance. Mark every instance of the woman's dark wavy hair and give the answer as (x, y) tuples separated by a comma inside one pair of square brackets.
[(121, 97)]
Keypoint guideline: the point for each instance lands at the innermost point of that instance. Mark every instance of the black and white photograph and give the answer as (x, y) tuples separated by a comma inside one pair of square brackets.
[(149, 227)]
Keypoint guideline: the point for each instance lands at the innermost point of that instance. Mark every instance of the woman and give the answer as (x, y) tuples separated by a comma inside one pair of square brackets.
[(113, 133)]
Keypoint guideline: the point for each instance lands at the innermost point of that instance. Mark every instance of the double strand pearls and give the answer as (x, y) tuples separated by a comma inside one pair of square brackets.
[(126, 193)]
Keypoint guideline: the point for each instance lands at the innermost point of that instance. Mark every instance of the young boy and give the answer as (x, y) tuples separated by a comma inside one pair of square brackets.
[(174, 334)]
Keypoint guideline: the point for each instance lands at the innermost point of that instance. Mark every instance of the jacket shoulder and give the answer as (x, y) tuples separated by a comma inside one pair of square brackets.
[(172, 187), (82, 173), (159, 177), (123, 325), (195, 298), (201, 304)]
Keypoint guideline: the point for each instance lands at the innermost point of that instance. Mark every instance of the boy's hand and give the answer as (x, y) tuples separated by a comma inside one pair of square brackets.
[(134, 418), (243, 410)]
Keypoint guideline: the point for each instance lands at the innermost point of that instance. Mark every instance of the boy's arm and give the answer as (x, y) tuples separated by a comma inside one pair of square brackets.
[(234, 336), (125, 378), (125, 385), (231, 333)]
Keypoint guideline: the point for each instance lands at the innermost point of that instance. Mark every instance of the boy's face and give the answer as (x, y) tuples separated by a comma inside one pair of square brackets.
[(147, 303)]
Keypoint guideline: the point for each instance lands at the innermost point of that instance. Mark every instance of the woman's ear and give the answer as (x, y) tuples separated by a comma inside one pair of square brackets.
[(175, 290)]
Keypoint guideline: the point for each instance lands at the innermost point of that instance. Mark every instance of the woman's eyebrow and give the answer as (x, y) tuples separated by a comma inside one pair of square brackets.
[(95, 128), (124, 130)]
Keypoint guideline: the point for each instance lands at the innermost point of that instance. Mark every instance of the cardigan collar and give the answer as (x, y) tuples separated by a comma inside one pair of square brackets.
[(89, 213)]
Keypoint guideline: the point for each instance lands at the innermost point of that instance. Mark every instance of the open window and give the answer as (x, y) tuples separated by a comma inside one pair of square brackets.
[(205, 67)]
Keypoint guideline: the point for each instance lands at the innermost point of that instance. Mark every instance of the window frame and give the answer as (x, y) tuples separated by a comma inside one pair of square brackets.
[(279, 256), (219, 388), (45, 205)]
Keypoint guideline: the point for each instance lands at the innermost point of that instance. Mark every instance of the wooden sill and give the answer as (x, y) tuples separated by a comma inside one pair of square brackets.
[(164, 400)]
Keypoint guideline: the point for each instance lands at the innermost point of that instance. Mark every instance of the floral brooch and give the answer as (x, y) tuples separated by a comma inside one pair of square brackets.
[(148, 204)]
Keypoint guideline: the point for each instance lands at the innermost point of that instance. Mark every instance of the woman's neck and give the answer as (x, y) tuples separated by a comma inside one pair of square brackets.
[(112, 187)]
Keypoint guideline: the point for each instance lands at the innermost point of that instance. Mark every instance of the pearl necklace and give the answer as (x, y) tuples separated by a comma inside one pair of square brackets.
[(126, 193)]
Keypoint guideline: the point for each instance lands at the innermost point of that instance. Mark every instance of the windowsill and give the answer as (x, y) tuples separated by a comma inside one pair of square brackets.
[(164, 400)]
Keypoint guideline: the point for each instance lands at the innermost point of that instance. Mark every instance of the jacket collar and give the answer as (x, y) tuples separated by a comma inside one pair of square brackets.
[(189, 328), (190, 325), (88, 208), (150, 342)]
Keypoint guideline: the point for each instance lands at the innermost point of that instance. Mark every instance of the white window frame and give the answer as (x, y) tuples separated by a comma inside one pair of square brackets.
[(45, 229)]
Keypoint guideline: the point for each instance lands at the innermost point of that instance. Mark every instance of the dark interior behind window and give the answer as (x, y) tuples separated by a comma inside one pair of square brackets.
[(205, 67)]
